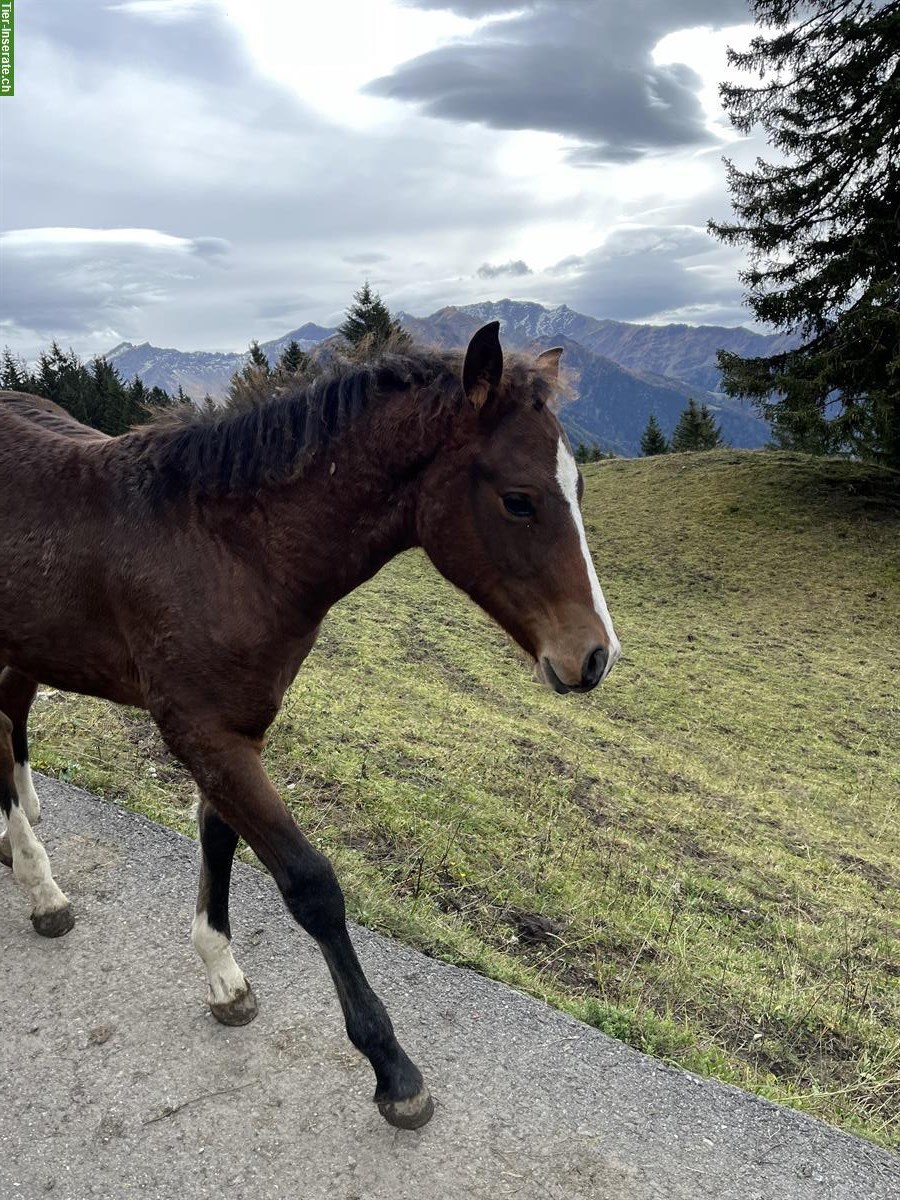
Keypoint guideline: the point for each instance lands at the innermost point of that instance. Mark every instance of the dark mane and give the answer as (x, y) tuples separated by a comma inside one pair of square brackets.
[(275, 440)]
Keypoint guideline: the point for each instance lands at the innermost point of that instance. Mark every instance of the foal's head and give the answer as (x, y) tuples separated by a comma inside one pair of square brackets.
[(499, 516)]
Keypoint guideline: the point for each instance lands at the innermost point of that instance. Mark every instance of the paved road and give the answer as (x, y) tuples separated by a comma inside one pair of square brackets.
[(115, 1081)]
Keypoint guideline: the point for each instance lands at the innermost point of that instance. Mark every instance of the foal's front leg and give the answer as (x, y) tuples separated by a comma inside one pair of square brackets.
[(231, 998), (230, 774)]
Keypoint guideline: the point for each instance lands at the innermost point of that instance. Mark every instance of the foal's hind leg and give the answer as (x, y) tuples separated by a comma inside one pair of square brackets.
[(52, 913), (231, 777), (231, 998), (17, 692)]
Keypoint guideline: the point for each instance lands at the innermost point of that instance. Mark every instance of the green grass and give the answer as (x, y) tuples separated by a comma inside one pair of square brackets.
[(703, 856)]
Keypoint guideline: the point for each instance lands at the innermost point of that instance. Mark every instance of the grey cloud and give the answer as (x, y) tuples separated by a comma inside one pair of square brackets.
[(583, 70), (199, 158), (474, 8), (210, 247), (646, 273), (364, 260), (69, 291), (194, 159), (285, 309), (566, 265), (495, 271), (199, 45)]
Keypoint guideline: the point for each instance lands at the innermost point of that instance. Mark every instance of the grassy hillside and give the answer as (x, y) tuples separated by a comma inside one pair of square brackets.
[(703, 856)]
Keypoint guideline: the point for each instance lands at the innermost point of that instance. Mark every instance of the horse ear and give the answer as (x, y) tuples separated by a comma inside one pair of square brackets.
[(483, 366), (548, 362)]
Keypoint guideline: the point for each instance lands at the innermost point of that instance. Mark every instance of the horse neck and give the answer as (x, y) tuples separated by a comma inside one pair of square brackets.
[(354, 507)]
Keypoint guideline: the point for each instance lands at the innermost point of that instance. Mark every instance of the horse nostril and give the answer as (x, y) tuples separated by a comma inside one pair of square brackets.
[(594, 666)]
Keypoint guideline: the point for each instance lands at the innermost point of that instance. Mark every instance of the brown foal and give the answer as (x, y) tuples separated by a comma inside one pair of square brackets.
[(186, 569)]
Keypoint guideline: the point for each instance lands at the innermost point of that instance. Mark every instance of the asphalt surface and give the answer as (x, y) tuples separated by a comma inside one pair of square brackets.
[(116, 1082)]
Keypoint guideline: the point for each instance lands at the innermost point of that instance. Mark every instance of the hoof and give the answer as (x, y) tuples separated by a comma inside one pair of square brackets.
[(408, 1114), (5, 851), (239, 1011), (54, 924)]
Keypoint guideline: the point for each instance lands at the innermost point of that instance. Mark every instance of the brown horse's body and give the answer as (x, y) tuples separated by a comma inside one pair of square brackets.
[(186, 570)]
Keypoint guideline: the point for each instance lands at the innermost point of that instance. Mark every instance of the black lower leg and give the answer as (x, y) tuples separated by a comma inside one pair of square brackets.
[(218, 842), (7, 786), (229, 771), (7, 782), (17, 692), (313, 896)]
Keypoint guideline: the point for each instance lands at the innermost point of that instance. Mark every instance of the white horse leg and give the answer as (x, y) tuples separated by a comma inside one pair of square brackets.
[(28, 797), (52, 914), (29, 802)]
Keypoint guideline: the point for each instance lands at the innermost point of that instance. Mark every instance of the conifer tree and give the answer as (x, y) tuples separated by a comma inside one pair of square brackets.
[(158, 398), (820, 221), (710, 432), (368, 325), (93, 394), (696, 429), (653, 440), (254, 383), (259, 359), (64, 379), (14, 376), (295, 366), (109, 401), (293, 360)]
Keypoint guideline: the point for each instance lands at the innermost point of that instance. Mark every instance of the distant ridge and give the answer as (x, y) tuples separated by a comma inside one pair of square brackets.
[(620, 372), (201, 372)]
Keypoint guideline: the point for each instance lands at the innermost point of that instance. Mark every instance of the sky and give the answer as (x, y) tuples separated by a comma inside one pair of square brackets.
[(197, 173)]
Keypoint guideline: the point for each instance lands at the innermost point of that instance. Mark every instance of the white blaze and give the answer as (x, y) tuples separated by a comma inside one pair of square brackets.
[(567, 478)]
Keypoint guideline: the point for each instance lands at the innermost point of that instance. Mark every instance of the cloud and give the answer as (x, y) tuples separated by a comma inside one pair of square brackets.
[(583, 69), (67, 238), (474, 8), (567, 265), (162, 10), (364, 260), (645, 273), (205, 201), (70, 282), (515, 267), (159, 139)]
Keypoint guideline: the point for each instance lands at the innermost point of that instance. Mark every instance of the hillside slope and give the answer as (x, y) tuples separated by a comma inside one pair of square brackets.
[(686, 352), (611, 405), (701, 857)]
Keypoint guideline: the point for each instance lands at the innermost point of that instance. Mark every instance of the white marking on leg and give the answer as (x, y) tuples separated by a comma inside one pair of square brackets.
[(31, 866), (28, 797), (226, 979), (567, 478)]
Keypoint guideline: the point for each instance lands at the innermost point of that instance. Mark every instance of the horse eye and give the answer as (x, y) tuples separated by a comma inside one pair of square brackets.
[(517, 504)]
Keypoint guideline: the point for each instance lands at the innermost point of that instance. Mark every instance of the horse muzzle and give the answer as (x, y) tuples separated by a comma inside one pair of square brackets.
[(595, 666)]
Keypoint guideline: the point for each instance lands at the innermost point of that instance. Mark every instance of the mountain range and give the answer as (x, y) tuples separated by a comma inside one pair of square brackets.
[(619, 373)]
